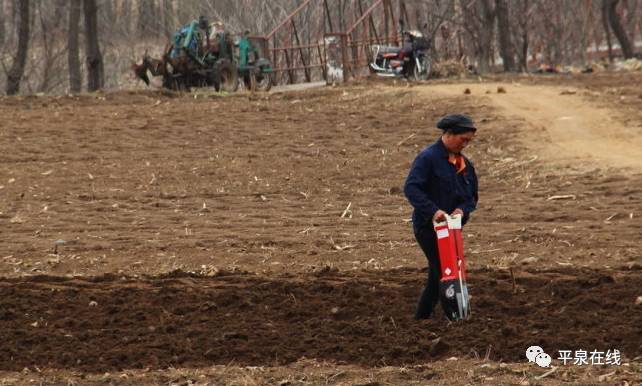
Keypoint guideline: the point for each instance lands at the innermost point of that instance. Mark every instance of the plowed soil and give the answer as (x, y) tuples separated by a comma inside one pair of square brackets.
[(147, 229), (111, 323)]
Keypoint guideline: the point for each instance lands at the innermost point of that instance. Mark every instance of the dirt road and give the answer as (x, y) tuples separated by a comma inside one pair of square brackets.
[(567, 127)]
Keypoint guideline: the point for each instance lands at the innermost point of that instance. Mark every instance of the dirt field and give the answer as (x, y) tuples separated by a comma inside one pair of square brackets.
[(154, 238)]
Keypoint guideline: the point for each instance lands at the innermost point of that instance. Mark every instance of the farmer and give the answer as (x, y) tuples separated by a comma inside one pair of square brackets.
[(246, 50), (441, 181)]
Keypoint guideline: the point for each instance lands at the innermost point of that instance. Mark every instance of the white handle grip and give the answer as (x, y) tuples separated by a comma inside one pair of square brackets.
[(452, 221)]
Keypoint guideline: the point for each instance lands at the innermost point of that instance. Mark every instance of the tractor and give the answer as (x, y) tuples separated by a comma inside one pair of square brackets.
[(198, 57)]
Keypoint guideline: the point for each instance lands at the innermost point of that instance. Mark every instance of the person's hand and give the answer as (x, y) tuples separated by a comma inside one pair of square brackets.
[(457, 211), (440, 215)]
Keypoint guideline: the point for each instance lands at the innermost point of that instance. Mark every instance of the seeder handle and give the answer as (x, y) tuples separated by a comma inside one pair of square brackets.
[(449, 220)]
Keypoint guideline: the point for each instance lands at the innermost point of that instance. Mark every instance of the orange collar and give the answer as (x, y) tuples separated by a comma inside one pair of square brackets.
[(458, 161)]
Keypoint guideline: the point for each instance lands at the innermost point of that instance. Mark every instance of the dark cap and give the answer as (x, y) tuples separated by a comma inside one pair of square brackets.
[(457, 124)]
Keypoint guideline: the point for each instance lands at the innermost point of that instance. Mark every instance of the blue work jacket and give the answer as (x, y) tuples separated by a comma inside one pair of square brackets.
[(433, 184)]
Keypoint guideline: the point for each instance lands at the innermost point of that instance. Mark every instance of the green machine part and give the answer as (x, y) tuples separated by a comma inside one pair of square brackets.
[(190, 41), (190, 32)]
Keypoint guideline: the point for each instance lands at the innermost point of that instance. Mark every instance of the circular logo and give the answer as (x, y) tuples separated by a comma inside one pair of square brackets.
[(450, 291), (532, 352)]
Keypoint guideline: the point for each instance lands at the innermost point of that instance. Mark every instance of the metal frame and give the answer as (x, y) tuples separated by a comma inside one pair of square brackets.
[(292, 57)]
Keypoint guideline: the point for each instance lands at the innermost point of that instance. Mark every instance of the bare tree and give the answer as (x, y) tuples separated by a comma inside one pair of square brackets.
[(523, 25), (167, 12), (478, 20), (504, 35), (107, 17), (146, 18), (607, 29), (486, 34), (632, 17), (124, 12), (437, 22), (73, 50), (95, 74), (555, 32), (49, 26), (2, 24), (618, 30), (18, 66), (583, 18)]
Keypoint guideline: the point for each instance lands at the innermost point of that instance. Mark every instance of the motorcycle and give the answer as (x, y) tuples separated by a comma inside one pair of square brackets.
[(410, 61)]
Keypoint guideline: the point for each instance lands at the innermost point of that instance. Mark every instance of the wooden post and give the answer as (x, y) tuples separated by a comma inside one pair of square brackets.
[(274, 54), (291, 75), (344, 56), (306, 70), (324, 70)]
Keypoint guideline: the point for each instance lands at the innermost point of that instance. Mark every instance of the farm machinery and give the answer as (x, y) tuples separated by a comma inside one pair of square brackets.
[(256, 72), (201, 55)]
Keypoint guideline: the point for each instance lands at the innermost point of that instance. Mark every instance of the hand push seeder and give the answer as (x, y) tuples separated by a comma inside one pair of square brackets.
[(453, 291)]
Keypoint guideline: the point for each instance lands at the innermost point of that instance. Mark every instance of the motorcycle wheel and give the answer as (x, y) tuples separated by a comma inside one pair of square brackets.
[(421, 70), (371, 68)]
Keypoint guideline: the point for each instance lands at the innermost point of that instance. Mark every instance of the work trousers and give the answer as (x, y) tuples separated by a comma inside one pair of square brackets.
[(427, 240)]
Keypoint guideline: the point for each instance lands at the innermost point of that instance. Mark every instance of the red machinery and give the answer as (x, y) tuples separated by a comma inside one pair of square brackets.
[(452, 286)]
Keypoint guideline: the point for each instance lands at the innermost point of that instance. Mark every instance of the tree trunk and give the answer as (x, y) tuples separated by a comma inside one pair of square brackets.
[(524, 57), (73, 52), (618, 29), (607, 30), (167, 18), (145, 18), (486, 35), (58, 14), (633, 16), (47, 56), (505, 43), (95, 75), (557, 41), (18, 66), (524, 26), (124, 12), (2, 29), (110, 17), (12, 16)]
